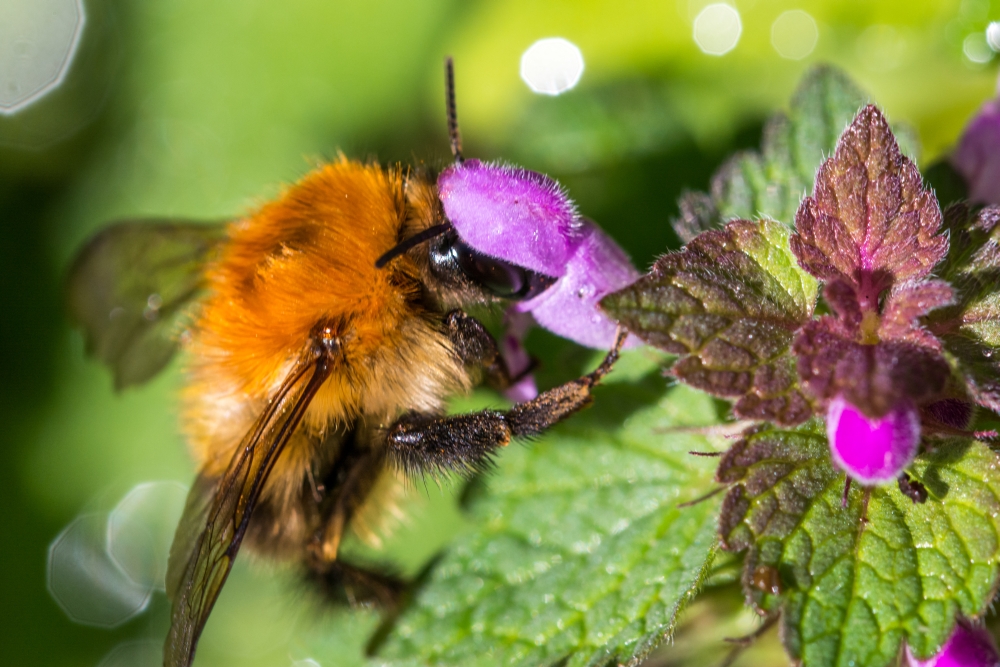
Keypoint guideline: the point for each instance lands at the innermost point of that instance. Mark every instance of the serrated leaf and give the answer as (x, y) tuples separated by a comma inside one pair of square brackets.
[(580, 551), (730, 302), (772, 182), (970, 330), (869, 221), (854, 589)]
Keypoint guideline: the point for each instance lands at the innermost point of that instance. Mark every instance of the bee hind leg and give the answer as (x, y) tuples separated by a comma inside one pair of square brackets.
[(421, 443), (357, 586)]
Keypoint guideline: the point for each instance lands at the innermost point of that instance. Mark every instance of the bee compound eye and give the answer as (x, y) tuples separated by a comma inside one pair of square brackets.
[(498, 277)]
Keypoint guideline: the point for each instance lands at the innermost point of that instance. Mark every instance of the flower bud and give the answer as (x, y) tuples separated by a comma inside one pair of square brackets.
[(977, 157), (969, 646), (872, 451)]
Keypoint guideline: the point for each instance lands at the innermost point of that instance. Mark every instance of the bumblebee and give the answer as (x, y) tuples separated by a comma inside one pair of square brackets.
[(323, 334)]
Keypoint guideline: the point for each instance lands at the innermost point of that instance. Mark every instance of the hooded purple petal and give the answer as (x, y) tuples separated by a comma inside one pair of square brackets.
[(969, 646), (513, 214), (872, 451), (569, 308), (977, 157)]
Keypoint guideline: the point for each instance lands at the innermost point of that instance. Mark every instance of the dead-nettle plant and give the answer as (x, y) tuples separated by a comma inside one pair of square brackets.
[(854, 328), (858, 342)]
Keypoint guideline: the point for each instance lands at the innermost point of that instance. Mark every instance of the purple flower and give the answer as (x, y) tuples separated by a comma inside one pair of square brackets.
[(969, 646), (516, 358), (872, 451), (525, 218), (977, 157)]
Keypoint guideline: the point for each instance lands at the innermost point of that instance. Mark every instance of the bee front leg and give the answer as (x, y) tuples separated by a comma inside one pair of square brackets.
[(477, 348), (422, 443)]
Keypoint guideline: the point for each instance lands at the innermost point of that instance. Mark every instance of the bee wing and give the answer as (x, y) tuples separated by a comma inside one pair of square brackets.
[(216, 516), (130, 290)]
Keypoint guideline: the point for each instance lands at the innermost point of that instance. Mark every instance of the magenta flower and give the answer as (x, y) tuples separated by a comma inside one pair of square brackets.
[(977, 157), (872, 451), (525, 218), (969, 646)]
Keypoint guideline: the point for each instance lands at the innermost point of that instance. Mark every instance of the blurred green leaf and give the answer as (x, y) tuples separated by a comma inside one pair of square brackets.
[(860, 580), (581, 550), (772, 182), (730, 301)]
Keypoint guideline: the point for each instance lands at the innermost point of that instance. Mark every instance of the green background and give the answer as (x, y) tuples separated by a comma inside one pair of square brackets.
[(201, 110)]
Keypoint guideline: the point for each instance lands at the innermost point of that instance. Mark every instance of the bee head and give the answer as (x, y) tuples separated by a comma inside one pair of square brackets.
[(517, 235)]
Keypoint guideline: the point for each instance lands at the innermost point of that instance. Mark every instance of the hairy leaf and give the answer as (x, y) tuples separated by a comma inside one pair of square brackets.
[(772, 182), (730, 302), (853, 589), (869, 222), (970, 330), (580, 550)]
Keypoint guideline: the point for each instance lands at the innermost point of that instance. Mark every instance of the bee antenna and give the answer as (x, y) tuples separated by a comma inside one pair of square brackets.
[(413, 241), (449, 100)]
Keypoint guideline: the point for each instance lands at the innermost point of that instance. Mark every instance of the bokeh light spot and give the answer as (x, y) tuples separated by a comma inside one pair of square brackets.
[(794, 34), (141, 528), (552, 66), (86, 582), (993, 35), (38, 39), (717, 29), (976, 49)]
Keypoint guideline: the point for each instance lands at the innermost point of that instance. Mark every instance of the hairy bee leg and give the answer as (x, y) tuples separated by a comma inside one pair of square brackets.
[(476, 347), (354, 480), (345, 583), (464, 443)]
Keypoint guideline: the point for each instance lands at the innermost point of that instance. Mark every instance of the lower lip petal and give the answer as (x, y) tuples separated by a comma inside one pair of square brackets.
[(872, 450)]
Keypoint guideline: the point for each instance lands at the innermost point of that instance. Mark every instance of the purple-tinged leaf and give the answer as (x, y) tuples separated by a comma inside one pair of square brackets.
[(872, 450), (970, 330), (869, 221), (909, 301), (874, 378), (977, 157), (729, 303), (969, 646)]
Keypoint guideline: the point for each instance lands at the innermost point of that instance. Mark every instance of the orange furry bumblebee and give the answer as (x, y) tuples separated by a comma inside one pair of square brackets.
[(325, 335)]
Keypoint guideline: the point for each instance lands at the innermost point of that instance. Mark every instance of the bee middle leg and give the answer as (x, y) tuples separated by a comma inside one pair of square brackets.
[(464, 443)]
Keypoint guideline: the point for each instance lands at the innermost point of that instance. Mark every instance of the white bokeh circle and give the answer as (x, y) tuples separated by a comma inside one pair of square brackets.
[(717, 29), (38, 39), (552, 66), (794, 34)]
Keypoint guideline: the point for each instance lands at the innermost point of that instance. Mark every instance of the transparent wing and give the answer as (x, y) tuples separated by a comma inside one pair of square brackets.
[(216, 516), (131, 287)]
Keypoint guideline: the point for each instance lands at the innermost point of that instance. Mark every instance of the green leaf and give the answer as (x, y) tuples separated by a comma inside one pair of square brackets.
[(730, 302), (772, 182), (854, 589), (580, 549)]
